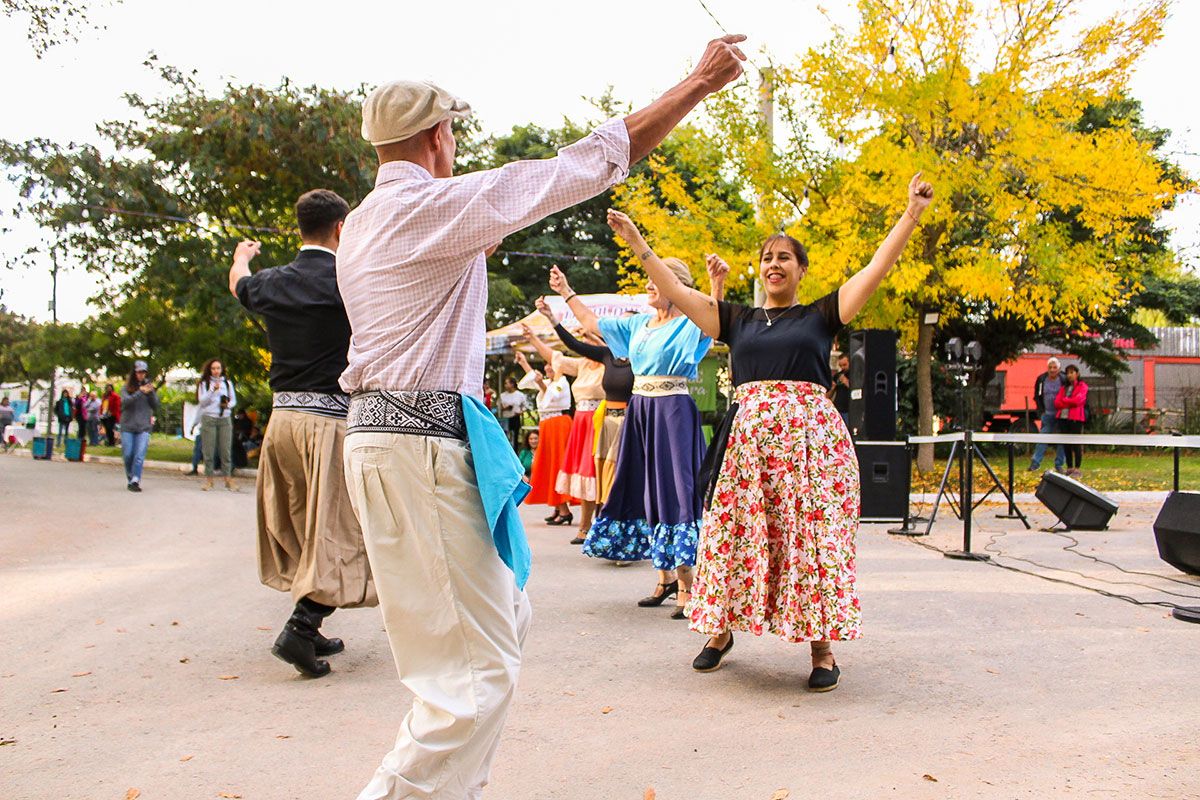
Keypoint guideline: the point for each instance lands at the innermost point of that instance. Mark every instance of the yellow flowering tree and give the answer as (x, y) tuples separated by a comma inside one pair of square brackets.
[(1039, 217)]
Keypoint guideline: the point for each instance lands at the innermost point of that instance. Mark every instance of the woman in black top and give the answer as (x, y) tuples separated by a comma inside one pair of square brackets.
[(618, 389), (776, 548)]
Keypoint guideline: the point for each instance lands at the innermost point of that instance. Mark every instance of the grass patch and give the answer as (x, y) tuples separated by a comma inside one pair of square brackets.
[(1103, 470), (163, 447)]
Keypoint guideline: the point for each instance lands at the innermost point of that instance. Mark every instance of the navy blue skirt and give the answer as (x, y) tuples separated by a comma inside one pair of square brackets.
[(653, 509)]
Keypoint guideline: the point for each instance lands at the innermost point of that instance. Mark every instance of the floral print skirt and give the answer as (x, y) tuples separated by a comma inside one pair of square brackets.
[(776, 552)]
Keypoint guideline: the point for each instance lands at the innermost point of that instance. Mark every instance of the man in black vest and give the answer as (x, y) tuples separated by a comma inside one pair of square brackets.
[(309, 541)]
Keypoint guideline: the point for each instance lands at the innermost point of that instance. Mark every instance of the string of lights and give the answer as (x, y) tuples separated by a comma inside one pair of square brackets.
[(227, 225)]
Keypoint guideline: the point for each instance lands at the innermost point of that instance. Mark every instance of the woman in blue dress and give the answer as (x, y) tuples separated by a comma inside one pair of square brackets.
[(653, 508)]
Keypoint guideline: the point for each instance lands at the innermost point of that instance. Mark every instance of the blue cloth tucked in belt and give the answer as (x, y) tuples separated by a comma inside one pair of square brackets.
[(502, 486)]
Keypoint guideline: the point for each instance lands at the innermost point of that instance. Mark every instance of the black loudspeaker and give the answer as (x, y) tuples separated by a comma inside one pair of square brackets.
[(1177, 531), (873, 401), (884, 474), (1076, 506)]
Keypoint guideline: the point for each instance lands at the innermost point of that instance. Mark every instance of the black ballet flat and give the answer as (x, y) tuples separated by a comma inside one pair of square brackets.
[(579, 540), (669, 590), (710, 658), (824, 680)]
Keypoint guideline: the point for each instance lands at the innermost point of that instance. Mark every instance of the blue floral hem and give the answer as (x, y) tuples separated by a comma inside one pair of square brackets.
[(668, 546)]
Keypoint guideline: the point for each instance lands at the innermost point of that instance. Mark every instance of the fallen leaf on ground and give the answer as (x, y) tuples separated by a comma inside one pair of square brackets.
[(649, 795), (133, 794), (228, 677), (569, 694), (265, 628), (81, 674), (229, 795), (122, 630), (606, 710), (781, 794), (929, 778), (994, 671), (4, 742), (183, 661), (186, 758), (282, 736), (174, 622), (56, 691), (99, 622), (88, 646)]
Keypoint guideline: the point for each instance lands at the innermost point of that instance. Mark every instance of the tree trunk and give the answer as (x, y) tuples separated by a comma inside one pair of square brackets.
[(924, 393)]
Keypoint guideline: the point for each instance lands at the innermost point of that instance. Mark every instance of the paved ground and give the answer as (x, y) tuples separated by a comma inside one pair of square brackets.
[(135, 656)]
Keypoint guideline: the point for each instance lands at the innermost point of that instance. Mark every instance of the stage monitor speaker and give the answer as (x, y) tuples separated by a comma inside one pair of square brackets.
[(884, 475), (873, 400), (1076, 505), (1177, 531)]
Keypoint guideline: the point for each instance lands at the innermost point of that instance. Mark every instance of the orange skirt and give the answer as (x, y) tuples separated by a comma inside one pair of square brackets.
[(548, 460)]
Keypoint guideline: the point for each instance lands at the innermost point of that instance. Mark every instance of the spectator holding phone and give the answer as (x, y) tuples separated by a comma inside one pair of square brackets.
[(216, 398), (139, 402)]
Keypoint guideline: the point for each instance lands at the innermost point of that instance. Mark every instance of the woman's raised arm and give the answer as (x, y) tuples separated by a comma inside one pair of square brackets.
[(856, 291), (699, 307)]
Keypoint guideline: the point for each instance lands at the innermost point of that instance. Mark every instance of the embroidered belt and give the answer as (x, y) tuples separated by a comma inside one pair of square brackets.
[(323, 404), (659, 385), (417, 413), (550, 414), (616, 413), (587, 405)]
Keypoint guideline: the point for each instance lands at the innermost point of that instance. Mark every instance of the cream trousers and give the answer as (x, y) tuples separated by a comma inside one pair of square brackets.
[(454, 616)]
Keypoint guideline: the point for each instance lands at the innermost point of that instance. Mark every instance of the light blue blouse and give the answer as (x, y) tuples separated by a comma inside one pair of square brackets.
[(672, 349)]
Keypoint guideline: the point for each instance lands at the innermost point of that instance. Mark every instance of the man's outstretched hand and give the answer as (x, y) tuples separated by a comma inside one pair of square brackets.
[(721, 63)]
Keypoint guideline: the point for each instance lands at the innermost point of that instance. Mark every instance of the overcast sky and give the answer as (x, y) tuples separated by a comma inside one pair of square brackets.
[(530, 61)]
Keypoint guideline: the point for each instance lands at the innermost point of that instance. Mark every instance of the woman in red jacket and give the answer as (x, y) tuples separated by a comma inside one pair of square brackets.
[(1071, 405)]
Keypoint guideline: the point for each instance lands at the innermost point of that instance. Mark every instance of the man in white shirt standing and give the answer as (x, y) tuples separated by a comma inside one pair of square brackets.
[(412, 274)]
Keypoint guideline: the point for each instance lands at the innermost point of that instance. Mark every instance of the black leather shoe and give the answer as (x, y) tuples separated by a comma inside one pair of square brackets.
[(296, 648), (552, 517), (135, 487), (709, 659), (668, 590), (824, 680), (567, 520), (579, 540), (327, 647), (679, 613)]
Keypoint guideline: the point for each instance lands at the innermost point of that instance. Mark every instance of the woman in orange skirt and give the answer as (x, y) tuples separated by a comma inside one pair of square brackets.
[(577, 474), (554, 428)]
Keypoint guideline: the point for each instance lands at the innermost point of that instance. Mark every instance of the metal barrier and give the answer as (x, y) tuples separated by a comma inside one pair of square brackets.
[(965, 448)]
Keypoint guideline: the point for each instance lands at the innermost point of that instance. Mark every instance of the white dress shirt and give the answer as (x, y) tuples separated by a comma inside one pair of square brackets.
[(411, 268), (555, 397)]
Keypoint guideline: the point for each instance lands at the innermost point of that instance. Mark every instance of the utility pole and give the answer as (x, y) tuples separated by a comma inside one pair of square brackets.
[(54, 321), (766, 112)]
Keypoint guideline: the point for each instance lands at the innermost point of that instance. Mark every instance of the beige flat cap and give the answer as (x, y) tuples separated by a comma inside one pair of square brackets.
[(398, 110)]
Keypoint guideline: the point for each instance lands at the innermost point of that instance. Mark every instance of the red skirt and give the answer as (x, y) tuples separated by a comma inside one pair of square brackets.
[(577, 476), (547, 461)]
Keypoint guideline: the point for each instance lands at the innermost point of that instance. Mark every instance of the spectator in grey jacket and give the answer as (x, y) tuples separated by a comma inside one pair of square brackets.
[(139, 402)]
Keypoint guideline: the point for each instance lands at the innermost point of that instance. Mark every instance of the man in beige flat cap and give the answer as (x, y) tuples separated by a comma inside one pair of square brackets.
[(445, 546)]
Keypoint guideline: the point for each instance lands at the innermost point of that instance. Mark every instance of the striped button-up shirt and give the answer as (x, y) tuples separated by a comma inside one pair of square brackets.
[(411, 265)]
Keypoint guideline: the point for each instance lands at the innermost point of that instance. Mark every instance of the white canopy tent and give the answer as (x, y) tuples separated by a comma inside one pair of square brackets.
[(503, 341)]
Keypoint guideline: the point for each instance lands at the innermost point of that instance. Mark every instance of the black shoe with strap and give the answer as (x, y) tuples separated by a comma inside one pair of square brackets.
[(710, 657), (824, 680), (668, 590)]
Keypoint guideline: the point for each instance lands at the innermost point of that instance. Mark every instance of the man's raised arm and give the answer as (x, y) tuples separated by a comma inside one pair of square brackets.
[(720, 65)]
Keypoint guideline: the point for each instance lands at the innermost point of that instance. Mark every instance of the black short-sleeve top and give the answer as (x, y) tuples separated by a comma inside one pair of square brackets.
[(794, 347)]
